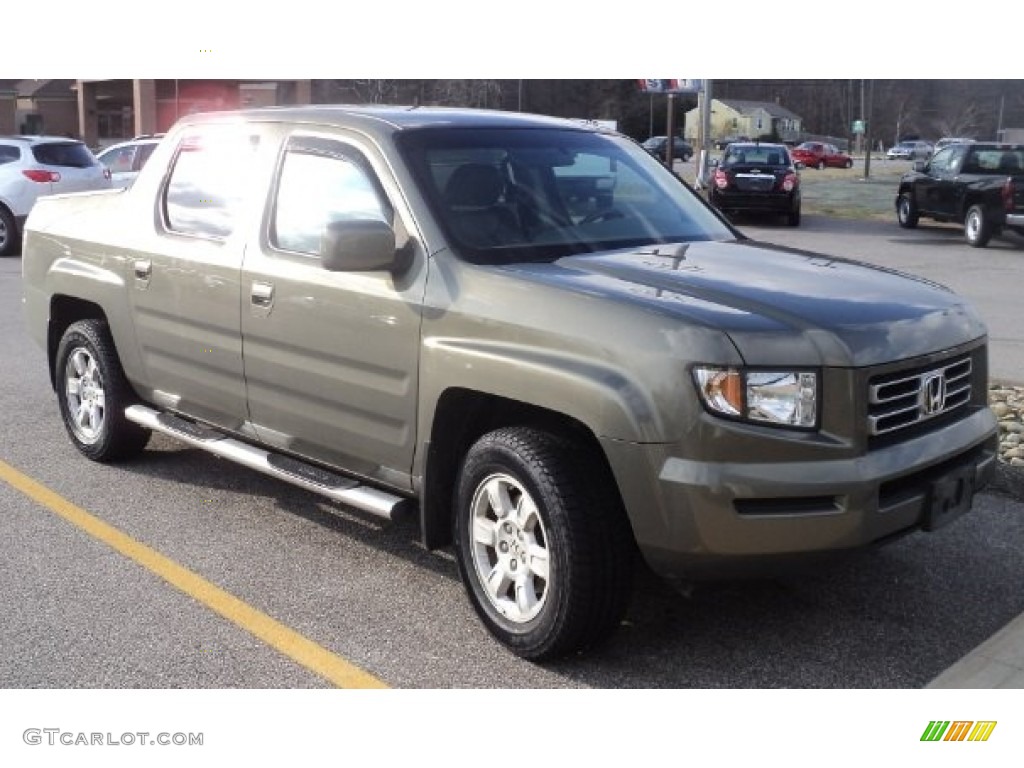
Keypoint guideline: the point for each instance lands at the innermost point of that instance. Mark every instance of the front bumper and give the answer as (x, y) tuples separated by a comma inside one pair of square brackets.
[(1015, 219), (755, 202), (695, 519)]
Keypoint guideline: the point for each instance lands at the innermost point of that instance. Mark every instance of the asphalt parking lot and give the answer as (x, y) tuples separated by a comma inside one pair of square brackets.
[(82, 613)]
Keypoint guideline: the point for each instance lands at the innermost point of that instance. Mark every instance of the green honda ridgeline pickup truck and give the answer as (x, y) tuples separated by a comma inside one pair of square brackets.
[(525, 330)]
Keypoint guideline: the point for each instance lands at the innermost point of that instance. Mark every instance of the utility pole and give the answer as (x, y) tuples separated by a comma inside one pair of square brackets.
[(867, 127), (863, 114), (999, 126)]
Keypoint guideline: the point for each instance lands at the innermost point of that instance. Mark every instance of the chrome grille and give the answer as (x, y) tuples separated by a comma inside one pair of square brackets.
[(901, 400)]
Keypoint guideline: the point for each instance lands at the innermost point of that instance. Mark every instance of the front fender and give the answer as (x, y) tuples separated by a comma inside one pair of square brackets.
[(608, 400)]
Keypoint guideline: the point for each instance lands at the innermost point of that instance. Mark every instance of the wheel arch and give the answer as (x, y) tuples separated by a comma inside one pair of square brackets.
[(64, 311), (461, 417)]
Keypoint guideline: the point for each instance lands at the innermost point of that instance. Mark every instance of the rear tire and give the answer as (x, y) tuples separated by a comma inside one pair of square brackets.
[(793, 218), (543, 545), (977, 229), (9, 237), (93, 392), (906, 211)]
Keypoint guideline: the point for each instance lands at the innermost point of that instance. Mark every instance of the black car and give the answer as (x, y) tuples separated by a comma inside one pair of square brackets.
[(656, 145), (757, 178)]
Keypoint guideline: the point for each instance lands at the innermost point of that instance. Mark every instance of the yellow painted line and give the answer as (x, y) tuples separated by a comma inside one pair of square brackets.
[(275, 634)]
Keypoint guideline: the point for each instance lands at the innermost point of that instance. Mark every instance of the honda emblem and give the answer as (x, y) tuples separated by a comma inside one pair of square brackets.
[(933, 394)]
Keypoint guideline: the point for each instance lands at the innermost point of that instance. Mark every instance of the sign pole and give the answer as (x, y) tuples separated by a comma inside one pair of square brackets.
[(670, 130)]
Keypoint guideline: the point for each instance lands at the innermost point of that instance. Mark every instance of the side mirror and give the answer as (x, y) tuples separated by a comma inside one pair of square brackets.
[(920, 165), (358, 245)]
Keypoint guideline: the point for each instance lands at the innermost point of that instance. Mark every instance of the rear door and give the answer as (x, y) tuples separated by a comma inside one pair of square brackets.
[(185, 276)]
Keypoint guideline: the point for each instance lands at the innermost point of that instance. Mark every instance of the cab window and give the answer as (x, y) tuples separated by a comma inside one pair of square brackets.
[(322, 182)]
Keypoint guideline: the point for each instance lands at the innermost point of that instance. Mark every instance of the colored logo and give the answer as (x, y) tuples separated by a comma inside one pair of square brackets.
[(958, 730)]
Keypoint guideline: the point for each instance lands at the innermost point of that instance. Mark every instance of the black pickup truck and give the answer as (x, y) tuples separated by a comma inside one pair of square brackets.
[(979, 185)]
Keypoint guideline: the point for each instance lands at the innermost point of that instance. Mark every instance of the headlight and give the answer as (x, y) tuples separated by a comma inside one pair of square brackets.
[(781, 398)]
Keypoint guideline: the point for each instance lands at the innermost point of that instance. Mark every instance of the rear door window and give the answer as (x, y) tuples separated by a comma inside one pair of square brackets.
[(210, 179)]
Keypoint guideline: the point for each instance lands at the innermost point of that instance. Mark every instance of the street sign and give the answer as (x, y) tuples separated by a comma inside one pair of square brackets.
[(858, 126), (671, 86)]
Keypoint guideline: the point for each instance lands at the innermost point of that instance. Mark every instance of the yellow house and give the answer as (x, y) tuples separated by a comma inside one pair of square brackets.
[(752, 119)]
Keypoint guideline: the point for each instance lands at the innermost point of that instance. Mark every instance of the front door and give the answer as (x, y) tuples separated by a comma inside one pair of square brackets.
[(331, 358)]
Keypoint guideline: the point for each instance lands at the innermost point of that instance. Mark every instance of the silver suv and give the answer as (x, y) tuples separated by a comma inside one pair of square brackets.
[(34, 166)]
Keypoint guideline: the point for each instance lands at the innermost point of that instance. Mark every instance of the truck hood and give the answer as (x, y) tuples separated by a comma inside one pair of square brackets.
[(778, 305)]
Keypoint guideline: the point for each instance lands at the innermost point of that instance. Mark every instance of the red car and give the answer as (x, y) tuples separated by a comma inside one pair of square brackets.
[(814, 154)]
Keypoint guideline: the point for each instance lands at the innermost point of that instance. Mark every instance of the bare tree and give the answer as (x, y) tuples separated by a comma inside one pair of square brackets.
[(375, 91), (968, 121), (466, 93)]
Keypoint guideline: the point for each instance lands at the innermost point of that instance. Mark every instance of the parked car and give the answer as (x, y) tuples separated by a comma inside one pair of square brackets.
[(35, 166), (910, 150), (945, 142), (125, 160), (814, 154), (725, 141), (529, 335), (978, 185), (657, 146), (757, 178)]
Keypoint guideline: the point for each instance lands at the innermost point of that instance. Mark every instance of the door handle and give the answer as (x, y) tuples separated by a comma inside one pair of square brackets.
[(262, 294), (143, 269)]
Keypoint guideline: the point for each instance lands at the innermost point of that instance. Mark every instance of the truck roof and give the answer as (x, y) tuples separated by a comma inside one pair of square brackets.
[(395, 118)]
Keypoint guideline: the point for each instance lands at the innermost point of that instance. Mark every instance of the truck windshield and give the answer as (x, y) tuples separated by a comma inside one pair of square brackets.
[(503, 195)]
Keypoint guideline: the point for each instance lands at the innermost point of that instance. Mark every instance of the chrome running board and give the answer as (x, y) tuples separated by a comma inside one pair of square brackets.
[(330, 484)]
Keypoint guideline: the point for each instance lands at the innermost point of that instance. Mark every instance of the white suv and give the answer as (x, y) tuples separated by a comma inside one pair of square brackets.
[(34, 166), (125, 160)]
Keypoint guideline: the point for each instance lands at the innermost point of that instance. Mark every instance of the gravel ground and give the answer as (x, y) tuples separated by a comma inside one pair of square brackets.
[(1008, 405)]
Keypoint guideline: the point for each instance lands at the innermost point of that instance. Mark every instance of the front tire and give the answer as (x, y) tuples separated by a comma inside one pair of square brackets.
[(543, 546), (93, 392), (977, 229), (906, 211)]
